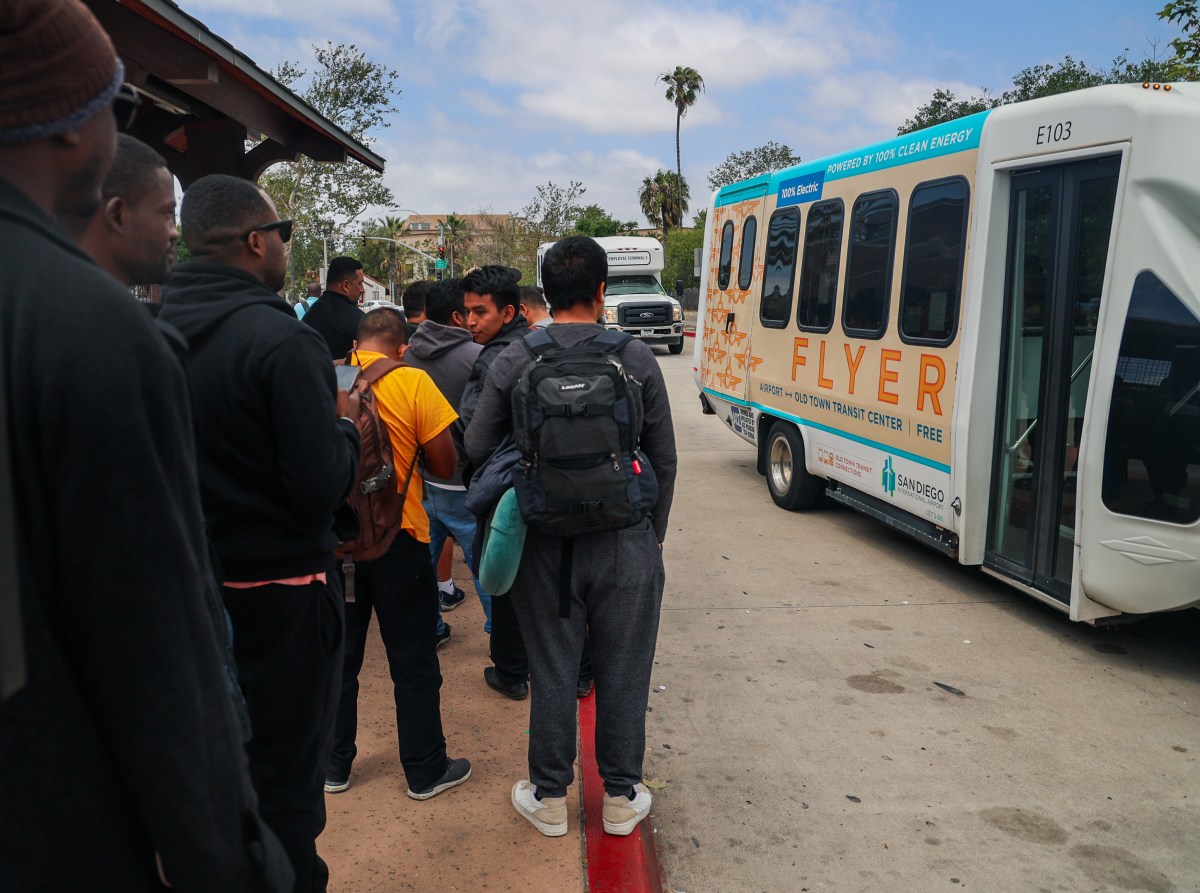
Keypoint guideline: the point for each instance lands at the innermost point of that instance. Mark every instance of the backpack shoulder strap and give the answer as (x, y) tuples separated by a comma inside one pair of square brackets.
[(612, 340), (539, 342), (378, 370)]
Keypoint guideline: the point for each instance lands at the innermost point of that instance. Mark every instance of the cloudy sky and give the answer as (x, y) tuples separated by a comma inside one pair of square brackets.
[(499, 96)]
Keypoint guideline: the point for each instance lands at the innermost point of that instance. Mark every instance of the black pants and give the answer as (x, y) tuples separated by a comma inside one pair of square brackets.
[(287, 641), (401, 587), (508, 649)]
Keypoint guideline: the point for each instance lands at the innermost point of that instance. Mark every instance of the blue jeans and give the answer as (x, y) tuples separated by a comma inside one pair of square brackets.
[(448, 516)]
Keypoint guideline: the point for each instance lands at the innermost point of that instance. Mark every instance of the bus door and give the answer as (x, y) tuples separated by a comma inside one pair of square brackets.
[(733, 283), (1060, 220)]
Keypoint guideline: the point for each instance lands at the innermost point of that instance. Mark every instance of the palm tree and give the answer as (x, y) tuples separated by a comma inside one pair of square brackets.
[(457, 229), (684, 85), (663, 199), (392, 227)]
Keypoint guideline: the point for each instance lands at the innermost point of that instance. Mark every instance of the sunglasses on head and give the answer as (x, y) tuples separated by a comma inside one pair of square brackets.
[(125, 106), (284, 227)]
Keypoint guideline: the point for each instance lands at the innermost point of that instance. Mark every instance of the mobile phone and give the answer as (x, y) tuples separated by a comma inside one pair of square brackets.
[(346, 376)]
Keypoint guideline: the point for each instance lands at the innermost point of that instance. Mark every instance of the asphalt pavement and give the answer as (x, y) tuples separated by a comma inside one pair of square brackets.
[(836, 707)]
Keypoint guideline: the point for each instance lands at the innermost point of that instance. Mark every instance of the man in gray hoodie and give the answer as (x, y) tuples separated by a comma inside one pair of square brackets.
[(442, 347)]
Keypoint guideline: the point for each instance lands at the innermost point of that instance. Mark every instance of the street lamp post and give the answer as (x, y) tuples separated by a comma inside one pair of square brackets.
[(326, 232), (392, 271)]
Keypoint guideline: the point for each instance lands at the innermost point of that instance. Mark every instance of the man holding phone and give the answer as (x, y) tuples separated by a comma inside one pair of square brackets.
[(277, 446)]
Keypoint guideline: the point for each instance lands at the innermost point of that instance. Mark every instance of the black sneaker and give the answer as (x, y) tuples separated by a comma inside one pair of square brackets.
[(451, 600), (444, 635), (335, 784), (457, 771), (518, 690)]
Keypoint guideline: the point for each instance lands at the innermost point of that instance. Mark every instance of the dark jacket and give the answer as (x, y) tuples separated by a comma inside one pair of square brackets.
[(123, 741), (517, 329), (447, 353), (493, 415), (274, 462), (336, 317)]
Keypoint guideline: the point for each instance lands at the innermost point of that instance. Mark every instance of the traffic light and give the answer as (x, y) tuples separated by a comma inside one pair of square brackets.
[(441, 252)]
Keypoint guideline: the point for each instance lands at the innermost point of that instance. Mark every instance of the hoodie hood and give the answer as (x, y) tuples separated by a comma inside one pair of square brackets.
[(200, 295), (518, 324), (432, 340)]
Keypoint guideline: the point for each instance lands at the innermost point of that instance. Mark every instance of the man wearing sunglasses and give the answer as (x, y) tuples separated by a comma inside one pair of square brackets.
[(277, 449)]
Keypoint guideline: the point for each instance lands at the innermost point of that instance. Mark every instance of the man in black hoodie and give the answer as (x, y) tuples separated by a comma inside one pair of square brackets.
[(121, 760), (277, 451), (442, 346), (493, 303)]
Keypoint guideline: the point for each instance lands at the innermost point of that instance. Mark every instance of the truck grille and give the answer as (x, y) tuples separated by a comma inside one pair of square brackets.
[(646, 315)]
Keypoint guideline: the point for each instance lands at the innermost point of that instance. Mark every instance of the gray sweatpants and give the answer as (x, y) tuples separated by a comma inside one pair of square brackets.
[(616, 589)]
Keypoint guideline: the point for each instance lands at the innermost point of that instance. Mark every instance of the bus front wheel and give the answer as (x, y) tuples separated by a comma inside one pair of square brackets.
[(791, 486)]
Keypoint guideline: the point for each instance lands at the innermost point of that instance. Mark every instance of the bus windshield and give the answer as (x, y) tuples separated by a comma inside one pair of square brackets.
[(632, 285)]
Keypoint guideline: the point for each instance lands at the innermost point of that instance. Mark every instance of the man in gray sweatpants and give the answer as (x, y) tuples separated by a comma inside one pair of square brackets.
[(616, 580)]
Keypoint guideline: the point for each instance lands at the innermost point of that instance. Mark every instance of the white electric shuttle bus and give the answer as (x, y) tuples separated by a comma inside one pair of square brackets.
[(985, 334)]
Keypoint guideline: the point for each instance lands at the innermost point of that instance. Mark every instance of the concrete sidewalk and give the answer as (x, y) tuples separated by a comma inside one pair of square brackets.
[(468, 839)]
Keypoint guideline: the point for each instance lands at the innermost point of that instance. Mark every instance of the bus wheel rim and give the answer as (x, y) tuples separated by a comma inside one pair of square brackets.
[(781, 464)]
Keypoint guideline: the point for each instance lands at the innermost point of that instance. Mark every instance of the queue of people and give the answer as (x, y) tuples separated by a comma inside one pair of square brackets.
[(181, 488)]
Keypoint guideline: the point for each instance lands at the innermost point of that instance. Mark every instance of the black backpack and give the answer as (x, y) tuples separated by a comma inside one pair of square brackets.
[(577, 420)]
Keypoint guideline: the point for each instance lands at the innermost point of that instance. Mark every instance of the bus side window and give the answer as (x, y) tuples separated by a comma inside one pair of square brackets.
[(746, 259), (726, 256), (869, 264), (779, 268), (819, 268), (1152, 445), (931, 284)]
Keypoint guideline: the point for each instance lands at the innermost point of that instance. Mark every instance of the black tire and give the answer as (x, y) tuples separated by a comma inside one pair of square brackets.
[(676, 347), (788, 480)]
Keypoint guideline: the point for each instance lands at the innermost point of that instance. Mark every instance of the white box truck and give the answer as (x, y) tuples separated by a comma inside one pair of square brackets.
[(634, 298)]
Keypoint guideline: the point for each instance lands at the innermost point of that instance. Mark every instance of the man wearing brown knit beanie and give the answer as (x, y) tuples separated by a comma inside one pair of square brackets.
[(121, 759)]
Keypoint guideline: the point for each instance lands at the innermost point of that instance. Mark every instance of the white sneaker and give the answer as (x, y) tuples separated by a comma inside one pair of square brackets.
[(548, 815), (621, 814)]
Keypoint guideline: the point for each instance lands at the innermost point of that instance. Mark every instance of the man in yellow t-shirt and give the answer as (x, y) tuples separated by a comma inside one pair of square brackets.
[(401, 586)]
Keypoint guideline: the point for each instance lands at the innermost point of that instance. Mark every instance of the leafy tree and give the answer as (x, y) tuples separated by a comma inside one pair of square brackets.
[(740, 166), (680, 253), (1037, 81), (945, 106), (663, 199), (506, 239), (554, 210), (684, 86), (1185, 66), (382, 260), (594, 221), (1150, 68), (356, 94)]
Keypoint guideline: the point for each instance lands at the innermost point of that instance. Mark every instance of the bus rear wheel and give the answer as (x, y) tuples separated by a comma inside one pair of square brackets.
[(791, 485)]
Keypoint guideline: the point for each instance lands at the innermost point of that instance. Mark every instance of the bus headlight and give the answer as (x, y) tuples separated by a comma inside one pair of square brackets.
[(610, 315), (678, 315)]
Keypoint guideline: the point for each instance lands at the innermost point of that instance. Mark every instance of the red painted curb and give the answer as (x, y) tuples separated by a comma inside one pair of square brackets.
[(614, 864)]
